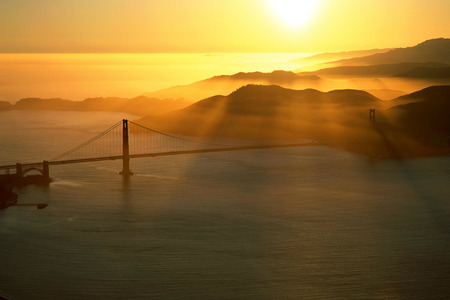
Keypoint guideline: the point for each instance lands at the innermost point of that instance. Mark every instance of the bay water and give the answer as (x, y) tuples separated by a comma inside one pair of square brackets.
[(297, 223)]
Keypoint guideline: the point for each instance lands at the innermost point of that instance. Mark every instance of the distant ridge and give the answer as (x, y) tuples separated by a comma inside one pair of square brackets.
[(426, 73), (139, 105), (274, 77), (225, 84), (436, 50), (382, 70), (391, 64), (328, 56)]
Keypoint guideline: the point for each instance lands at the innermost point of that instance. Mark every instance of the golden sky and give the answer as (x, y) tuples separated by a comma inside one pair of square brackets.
[(181, 26)]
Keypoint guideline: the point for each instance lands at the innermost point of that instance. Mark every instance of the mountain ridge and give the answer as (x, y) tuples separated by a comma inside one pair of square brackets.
[(426, 73), (430, 50), (327, 56), (379, 70)]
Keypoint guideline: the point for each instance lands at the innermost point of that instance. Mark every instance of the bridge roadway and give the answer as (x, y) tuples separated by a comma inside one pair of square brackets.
[(169, 153)]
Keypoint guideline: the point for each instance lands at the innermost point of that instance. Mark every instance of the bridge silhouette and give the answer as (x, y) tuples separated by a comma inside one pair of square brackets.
[(126, 140)]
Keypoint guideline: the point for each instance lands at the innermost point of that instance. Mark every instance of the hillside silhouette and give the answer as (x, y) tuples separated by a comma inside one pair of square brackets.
[(4, 105), (338, 118), (427, 115), (263, 112), (140, 106)]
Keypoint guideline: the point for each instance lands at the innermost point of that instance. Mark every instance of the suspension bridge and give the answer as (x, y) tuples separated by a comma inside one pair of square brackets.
[(125, 140)]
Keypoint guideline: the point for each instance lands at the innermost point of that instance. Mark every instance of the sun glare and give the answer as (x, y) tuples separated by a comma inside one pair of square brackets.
[(294, 13)]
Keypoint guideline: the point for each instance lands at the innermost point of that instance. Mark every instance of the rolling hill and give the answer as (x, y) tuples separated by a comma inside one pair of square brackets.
[(258, 111)]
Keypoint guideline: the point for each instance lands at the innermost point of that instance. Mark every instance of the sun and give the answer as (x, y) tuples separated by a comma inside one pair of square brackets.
[(295, 13)]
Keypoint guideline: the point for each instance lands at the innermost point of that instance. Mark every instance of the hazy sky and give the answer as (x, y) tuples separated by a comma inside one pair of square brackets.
[(80, 26)]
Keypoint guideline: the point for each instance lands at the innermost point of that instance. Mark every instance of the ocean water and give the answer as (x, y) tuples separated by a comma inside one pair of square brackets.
[(298, 223)]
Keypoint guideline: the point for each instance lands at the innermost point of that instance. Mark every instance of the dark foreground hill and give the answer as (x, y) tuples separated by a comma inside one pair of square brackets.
[(339, 118), (256, 111), (427, 117)]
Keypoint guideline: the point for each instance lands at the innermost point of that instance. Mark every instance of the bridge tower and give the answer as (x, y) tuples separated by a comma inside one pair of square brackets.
[(46, 170), (126, 150)]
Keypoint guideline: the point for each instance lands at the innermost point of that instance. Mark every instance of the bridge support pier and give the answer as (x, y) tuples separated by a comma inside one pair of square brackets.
[(126, 151), (19, 170)]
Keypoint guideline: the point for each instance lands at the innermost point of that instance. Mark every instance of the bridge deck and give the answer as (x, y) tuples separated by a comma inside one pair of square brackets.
[(224, 149)]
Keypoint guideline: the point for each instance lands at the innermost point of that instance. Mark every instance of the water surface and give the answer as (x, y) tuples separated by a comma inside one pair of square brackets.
[(310, 222)]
